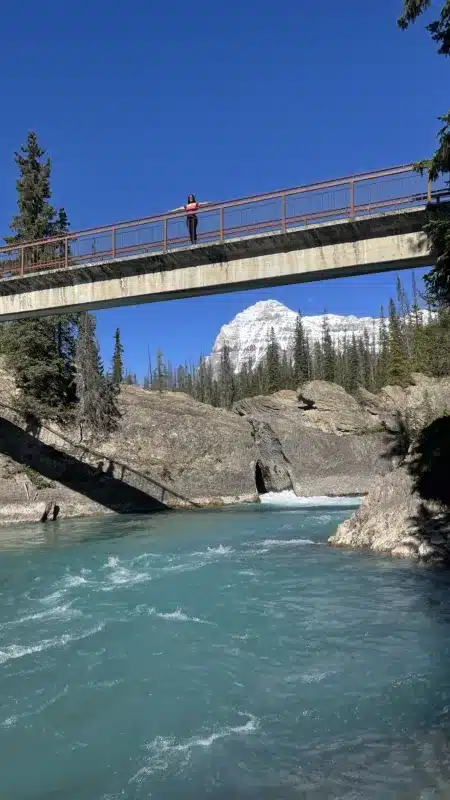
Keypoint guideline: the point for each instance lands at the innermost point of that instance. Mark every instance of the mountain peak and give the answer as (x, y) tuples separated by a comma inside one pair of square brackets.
[(247, 335)]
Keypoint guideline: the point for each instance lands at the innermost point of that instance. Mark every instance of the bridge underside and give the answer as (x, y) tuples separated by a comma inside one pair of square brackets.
[(342, 248)]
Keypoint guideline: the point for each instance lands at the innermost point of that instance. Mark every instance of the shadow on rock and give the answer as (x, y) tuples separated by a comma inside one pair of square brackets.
[(429, 468), (87, 480), (430, 465)]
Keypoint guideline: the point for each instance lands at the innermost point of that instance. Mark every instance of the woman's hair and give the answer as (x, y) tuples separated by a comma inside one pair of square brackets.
[(191, 198)]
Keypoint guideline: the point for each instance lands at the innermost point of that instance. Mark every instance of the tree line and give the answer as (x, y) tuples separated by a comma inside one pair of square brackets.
[(408, 339)]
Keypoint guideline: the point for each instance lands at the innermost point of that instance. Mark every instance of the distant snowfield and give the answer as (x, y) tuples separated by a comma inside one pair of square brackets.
[(289, 499)]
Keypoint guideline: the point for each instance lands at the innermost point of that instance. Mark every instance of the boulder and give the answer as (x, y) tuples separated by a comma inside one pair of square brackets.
[(329, 408), (394, 518)]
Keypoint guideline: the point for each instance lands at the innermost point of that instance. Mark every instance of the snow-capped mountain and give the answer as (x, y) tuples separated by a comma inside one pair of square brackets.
[(248, 334)]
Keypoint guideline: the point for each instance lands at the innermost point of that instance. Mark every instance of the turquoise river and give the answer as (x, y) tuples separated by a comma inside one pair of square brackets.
[(225, 654)]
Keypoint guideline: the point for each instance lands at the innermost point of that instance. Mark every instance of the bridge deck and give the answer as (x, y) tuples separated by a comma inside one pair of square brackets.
[(354, 226), (368, 194)]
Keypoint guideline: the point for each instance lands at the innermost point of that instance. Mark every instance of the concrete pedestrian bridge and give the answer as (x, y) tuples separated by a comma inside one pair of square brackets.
[(351, 226)]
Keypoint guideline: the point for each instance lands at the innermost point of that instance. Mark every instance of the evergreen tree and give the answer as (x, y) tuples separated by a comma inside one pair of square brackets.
[(405, 319), (382, 368), (181, 379), (365, 362), (96, 410), (438, 225), (301, 353), (328, 357), (399, 368), (273, 365), (227, 385), (159, 382), (317, 362), (40, 352), (117, 361), (354, 373)]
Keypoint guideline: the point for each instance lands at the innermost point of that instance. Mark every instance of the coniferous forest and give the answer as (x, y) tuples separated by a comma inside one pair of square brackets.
[(409, 339)]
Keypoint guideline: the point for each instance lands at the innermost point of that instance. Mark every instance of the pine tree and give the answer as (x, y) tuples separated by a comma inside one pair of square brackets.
[(159, 381), (301, 353), (96, 410), (117, 361), (272, 365), (353, 374), (329, 358), (399, 367), (227, 385), (382, 368), (317, 362), (40, 352)]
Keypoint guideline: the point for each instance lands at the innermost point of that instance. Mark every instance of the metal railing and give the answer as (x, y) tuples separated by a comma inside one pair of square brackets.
[(369, 193)]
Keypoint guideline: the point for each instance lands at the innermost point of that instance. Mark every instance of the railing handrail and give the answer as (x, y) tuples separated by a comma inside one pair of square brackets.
[(210, 207)]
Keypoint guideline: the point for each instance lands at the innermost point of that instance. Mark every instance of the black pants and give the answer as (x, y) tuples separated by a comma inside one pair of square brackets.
[(192, 227)]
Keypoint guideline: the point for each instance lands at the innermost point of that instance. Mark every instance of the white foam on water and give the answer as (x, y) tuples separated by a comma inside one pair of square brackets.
[(289, 498), (70, 581), (178, 616), (122, 576), (60, 612), (52, 598), (219, 551), (285, 542), (14, 651), (165, 750)]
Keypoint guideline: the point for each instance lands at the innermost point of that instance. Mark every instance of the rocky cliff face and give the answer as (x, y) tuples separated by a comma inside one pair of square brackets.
[(407, 512), (171, 451)]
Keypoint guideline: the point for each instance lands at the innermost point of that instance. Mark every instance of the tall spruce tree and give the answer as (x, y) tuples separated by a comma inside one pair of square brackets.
[(301, 353), (382, 367), (97, 411), (40, 352), (227, 383), (273, 365), (117, 361), (399, 372), (329, 356)]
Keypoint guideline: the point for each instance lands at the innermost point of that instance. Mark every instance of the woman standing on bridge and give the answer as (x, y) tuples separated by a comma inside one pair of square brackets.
[(191, 220)]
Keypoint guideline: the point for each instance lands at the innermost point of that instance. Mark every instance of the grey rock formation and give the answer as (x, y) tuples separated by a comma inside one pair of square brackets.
[(407, 512), (394, 519), (171, 451), (328, 407), (320, 461)]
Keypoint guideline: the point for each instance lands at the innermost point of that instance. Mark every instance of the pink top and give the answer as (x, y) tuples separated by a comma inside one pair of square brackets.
[(191, 207)]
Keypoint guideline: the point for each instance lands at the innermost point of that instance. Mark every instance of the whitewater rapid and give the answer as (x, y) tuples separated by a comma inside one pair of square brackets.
[(288, 498)]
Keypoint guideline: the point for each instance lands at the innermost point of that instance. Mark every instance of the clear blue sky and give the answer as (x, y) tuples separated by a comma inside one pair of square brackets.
[(139, 103)]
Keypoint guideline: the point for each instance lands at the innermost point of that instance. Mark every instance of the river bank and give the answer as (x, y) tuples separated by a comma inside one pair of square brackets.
[(171, 451)]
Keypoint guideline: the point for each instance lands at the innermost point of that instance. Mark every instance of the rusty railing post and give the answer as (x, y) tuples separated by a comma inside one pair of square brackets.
[(352, 198), (165, 235), (428, 187), (66, 251), (221, 223), (113, 242), (283, 214), (22, 260)]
